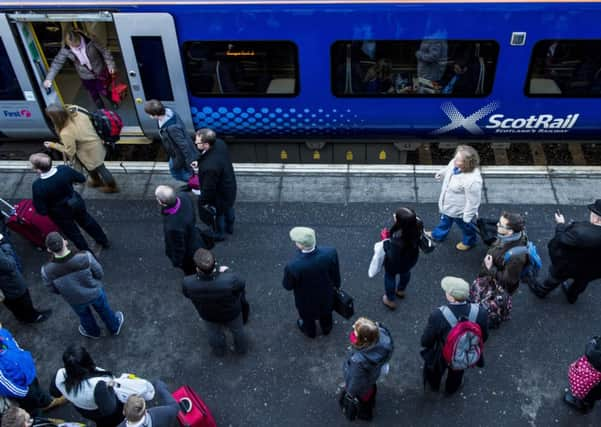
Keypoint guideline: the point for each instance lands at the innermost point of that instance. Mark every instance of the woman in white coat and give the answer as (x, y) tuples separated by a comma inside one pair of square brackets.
[(460, 197)]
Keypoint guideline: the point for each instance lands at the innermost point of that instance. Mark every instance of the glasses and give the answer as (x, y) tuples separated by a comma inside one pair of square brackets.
[(506, 227)]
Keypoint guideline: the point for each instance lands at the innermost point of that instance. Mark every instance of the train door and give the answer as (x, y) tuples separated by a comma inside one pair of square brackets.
[(20, 113), (152, 59)]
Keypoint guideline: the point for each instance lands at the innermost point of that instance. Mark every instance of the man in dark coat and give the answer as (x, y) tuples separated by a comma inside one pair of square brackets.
[(219, 297), (574, 253), (175, 139), (182, 238), (12, 284), (217, 180), (457, 292), (313, 275), (54, 196)]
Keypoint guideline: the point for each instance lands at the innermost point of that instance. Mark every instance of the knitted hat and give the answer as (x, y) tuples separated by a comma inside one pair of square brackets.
[(455, 287)]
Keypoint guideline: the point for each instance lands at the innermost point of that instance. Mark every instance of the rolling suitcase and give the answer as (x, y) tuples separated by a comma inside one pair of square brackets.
[(24, 220), (193, 411)]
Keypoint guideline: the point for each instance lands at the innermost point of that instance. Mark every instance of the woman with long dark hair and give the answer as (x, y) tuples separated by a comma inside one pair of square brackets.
[(398, 252), (88, 388)]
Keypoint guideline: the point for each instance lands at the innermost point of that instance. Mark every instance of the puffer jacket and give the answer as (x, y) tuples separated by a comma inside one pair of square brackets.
[(76, 277), (461, 194), (17, 369), (12, 282), (362, 369), (99, 56)]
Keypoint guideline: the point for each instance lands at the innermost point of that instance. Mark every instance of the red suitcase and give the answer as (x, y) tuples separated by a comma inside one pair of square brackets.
[(24, 220), (194, 412)]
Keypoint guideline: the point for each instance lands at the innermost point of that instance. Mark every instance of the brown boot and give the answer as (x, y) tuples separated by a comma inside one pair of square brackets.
[(94, 182), (57, 401), (111, 188)]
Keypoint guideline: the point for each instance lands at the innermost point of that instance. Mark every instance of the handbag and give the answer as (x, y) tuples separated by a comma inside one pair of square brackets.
[(349, 405), (426, 244), (343, 303), (118, 90), (208, 215)]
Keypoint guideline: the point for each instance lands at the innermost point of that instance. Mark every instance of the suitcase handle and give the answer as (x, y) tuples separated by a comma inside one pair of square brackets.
[(185, 405)]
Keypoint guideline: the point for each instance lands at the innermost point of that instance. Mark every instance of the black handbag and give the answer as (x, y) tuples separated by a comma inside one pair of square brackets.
[(343, 303), (426, 244), (349, 405), (208, 215)]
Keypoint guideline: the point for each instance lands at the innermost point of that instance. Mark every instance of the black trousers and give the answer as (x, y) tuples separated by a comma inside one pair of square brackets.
[(22, 307), (325, 322), (102, 174), (68, 220), (555, 278), (433, 375), (593, 395), (36, 398)]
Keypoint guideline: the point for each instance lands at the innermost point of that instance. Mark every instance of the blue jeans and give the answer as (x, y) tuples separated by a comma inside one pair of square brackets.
[(444, 226), (225, 221), (101, 305), (391, 285), (179, 174)]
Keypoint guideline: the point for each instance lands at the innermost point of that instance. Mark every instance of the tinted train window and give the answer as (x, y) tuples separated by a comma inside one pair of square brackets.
[(153, 67), (565, 68), (9, 86), (249, 68), (454, 68)]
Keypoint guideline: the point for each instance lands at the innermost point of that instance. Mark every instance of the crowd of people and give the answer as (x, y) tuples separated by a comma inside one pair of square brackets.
[(453, 339)]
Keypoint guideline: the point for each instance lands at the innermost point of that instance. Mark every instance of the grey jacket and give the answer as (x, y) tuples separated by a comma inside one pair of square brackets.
[(362, 368), (164, 415), (99, 56), (76, 277), (178, 144), (12, 282)]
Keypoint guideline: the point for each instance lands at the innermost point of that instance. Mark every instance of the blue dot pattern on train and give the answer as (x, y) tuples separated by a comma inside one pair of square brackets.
[(277, 121)]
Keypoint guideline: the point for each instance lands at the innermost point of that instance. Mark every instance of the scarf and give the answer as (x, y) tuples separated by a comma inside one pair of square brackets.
[(173, 209), (508, 239)]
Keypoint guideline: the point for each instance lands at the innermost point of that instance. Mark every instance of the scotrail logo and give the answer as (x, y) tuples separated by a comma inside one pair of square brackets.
[(499, 123)]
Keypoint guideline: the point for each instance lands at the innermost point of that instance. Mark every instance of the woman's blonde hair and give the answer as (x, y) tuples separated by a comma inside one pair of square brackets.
[(367, 332), (471, 158)]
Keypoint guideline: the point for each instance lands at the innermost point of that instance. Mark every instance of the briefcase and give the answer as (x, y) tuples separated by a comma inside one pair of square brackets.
[(208, 215), (343, 303)]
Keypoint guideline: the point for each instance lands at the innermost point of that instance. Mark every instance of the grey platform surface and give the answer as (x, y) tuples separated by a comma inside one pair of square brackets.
[(287, 379)]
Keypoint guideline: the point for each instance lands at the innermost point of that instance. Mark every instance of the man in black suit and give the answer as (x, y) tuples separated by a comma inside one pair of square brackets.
[(313, 275)]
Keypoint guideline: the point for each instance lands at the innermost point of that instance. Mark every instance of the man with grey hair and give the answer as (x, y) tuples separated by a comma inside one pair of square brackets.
[(182, 238), (313, 274)]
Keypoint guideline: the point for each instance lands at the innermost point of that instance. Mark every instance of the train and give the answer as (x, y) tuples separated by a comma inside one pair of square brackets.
[(320, 71)]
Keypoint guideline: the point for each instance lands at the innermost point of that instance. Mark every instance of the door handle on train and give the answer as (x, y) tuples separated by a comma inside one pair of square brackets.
[(43, 73), (131, 73)]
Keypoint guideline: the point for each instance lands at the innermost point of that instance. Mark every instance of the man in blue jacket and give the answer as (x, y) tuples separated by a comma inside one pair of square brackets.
[(313, 275)]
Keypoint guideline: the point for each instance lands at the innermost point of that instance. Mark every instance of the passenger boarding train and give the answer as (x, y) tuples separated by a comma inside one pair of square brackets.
[(320, 70)]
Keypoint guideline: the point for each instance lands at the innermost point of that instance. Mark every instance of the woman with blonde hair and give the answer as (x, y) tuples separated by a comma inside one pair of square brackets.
[(460, 196), (371, 349), (79, 139)]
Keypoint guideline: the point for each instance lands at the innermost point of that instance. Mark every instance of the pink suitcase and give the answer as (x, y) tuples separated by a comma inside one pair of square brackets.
[(193, 411), (24, 220)]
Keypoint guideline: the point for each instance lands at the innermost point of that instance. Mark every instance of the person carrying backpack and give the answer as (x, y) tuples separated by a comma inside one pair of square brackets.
[(454, 337), (500, 275)]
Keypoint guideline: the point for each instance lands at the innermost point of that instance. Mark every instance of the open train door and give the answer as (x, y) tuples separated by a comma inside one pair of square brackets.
[(154, 68), (20, 113)]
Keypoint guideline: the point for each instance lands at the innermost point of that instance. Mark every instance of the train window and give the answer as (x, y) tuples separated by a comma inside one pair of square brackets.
[(153, 67), (434, 68), (565, 68), (241, 68), (9, 86)]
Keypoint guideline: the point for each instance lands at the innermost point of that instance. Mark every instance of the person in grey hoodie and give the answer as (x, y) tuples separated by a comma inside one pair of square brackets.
[(77, 277), (372, 347), (136, 414), (176, 141)]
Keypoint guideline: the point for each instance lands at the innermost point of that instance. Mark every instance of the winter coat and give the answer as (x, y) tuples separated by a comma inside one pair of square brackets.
[(217, 178), (12, 282), (77, 277), (461, 194), (182, 238), (178, 144), (362, 369), (79, 138), (313, 276), (217, 296), (17, 369), (506, 275), (575, 249), (394, 255), (99, 56)]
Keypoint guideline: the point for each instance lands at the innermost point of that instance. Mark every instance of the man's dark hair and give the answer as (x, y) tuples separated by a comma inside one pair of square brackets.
[(515, 221), (154, 107), (204, 260), (207, 135)]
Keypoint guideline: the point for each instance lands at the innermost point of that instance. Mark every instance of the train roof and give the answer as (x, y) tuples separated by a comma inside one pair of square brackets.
[(67, 3)]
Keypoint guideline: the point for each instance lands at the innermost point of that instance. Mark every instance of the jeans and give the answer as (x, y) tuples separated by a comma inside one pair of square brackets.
[(217, 337), (106, 313), (444, 226), (179, 174), (391, 285), (225, 221)]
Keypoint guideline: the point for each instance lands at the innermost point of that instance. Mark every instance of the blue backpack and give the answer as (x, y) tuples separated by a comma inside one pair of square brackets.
[(534, 264)]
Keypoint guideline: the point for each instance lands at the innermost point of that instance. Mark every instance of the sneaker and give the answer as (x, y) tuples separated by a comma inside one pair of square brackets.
[(42, 317), (83, 332), (121, 318), (461, 247)]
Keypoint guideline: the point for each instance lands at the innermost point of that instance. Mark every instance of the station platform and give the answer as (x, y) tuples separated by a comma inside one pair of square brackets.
[(287, 379)]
